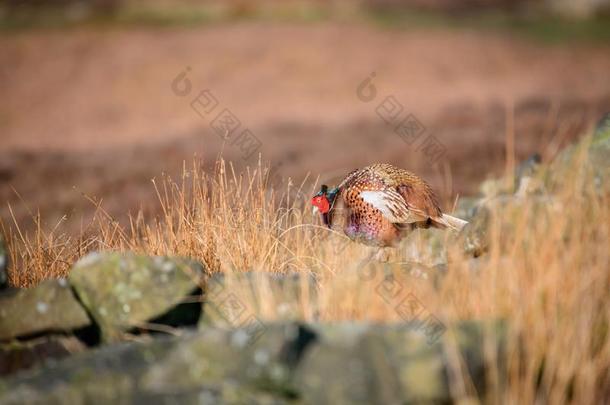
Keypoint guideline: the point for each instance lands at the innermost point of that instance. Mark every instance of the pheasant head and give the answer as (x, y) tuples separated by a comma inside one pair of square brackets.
[(323, 203)]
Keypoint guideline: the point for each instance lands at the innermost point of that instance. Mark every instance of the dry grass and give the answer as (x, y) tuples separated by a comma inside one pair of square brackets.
[(547, 270)]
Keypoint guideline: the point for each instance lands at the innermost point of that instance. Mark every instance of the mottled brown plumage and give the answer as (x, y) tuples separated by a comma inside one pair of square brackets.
[(381, 202)]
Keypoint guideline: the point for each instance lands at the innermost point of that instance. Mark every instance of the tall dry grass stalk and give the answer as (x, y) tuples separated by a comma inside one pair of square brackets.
[(546, 272)]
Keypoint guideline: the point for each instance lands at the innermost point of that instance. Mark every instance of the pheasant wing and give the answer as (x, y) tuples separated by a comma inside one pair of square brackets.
[(420, 198), (393, 206)]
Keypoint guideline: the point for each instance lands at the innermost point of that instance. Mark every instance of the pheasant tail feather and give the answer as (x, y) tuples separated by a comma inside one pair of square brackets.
[(451, 222)]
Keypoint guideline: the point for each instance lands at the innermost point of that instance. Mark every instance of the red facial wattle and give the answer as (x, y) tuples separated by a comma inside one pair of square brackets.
[(322, 203)]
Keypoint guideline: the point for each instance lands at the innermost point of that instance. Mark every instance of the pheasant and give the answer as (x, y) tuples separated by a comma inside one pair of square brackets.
[(382, 203)]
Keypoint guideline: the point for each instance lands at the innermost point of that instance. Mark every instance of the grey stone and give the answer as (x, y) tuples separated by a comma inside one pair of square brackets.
[(3, 264), (589, 157), (124, 290), (495, 186), (525, 180), (16, 355), (388, 364), (323, 363), (427, 247), (526, 176), (599, 156), (211, 366), (50, 306), (466, 207), (504, 212), (474, 237), (528, 168)]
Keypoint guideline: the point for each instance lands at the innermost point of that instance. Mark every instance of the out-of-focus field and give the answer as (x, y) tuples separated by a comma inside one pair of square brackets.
[(90, 110)]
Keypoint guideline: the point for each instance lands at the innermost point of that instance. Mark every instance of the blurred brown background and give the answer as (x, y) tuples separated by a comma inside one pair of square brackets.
[(88, 105)]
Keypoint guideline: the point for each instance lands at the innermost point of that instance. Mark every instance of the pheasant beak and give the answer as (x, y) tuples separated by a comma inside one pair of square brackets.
[(315, 210)]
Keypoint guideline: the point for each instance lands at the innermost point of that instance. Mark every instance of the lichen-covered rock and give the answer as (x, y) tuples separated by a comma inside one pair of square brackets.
[(498, 218), (466, 207), (3, 264), (493, 187), (474, 237), (589, 157), (527, 176), (212, 366), (387, 364), (524, 181), (232, 300), (599, 156), (50, 306), (124, 290), (288, 363), (17, 355), (337, 370), (427, 247), (264, 360)]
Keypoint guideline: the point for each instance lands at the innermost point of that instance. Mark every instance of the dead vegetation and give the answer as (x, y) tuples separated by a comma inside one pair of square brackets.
[(546, 271)]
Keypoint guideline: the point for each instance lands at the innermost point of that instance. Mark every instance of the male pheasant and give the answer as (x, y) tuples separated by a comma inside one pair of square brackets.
[(381, 203)]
